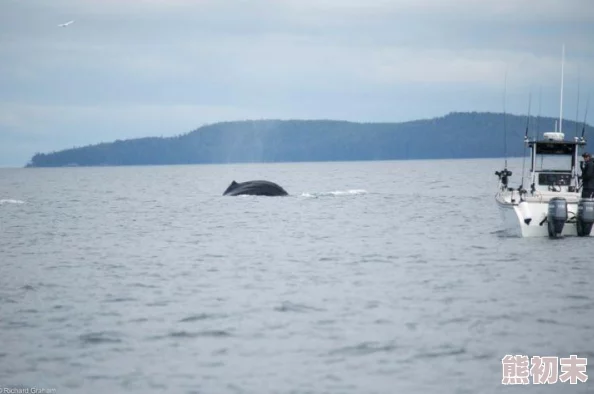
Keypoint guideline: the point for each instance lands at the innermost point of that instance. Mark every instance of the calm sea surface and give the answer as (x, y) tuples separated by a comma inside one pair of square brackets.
[(372, 277)]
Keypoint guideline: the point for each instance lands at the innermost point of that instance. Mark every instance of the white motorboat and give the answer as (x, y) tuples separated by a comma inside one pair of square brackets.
[(553, 206)]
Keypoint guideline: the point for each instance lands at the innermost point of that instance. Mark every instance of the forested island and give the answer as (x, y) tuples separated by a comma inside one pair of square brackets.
[(456, 135)]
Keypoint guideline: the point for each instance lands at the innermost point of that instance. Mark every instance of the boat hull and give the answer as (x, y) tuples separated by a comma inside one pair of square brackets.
[(514, 217)]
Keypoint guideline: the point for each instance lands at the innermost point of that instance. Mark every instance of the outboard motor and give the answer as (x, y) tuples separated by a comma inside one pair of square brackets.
[(557, 216), (585, 217)]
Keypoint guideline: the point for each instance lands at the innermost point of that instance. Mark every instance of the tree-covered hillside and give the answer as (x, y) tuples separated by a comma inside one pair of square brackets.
[(456, 135)]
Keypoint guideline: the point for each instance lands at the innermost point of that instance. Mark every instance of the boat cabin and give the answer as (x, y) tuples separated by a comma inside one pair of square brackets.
[(554, 163)]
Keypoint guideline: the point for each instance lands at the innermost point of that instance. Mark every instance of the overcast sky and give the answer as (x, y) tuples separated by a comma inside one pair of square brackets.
[(134, 68)]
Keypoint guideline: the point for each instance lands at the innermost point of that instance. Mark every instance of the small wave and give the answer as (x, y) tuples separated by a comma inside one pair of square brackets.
[(200, 316), (143, 285), (287, 306), (443, 351), (351, 192), (577, 297), (205, 333), (19, 325), (100, 337), (365, 348), (9, 201), (552, 322), (192, 334), (120, 299)]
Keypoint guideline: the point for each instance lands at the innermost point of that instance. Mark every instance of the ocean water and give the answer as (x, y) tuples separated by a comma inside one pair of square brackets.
[(371, 277)]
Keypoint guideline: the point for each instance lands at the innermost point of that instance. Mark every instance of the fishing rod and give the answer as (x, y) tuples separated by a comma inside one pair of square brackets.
[(504, 120), (561, 100), (581, 183), (577, 107), (539, 108), (585, 116), (521, 188), (505, 173)]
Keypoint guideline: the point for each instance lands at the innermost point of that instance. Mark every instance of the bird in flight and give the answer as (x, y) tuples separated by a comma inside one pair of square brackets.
[(66, 24)]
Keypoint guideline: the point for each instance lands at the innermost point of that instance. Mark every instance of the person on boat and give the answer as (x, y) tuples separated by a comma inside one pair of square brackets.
[(587, 167)]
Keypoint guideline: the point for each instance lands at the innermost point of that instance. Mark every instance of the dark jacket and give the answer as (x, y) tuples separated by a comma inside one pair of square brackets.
[(588, 175)]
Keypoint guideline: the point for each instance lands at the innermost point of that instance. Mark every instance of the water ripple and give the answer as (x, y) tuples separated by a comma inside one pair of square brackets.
[(100, 337), (287, 306), (443, 351), (365, 348), (201, 316), (204, 333)]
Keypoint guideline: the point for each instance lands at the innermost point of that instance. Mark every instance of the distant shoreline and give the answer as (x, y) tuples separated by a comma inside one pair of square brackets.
[(265, 162), (463, 135)]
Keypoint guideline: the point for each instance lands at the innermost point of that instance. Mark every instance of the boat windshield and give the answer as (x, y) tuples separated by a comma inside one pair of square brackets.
[(553, 163)]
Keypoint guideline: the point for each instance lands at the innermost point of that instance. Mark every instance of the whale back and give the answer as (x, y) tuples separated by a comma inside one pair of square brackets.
[(255, 188)]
